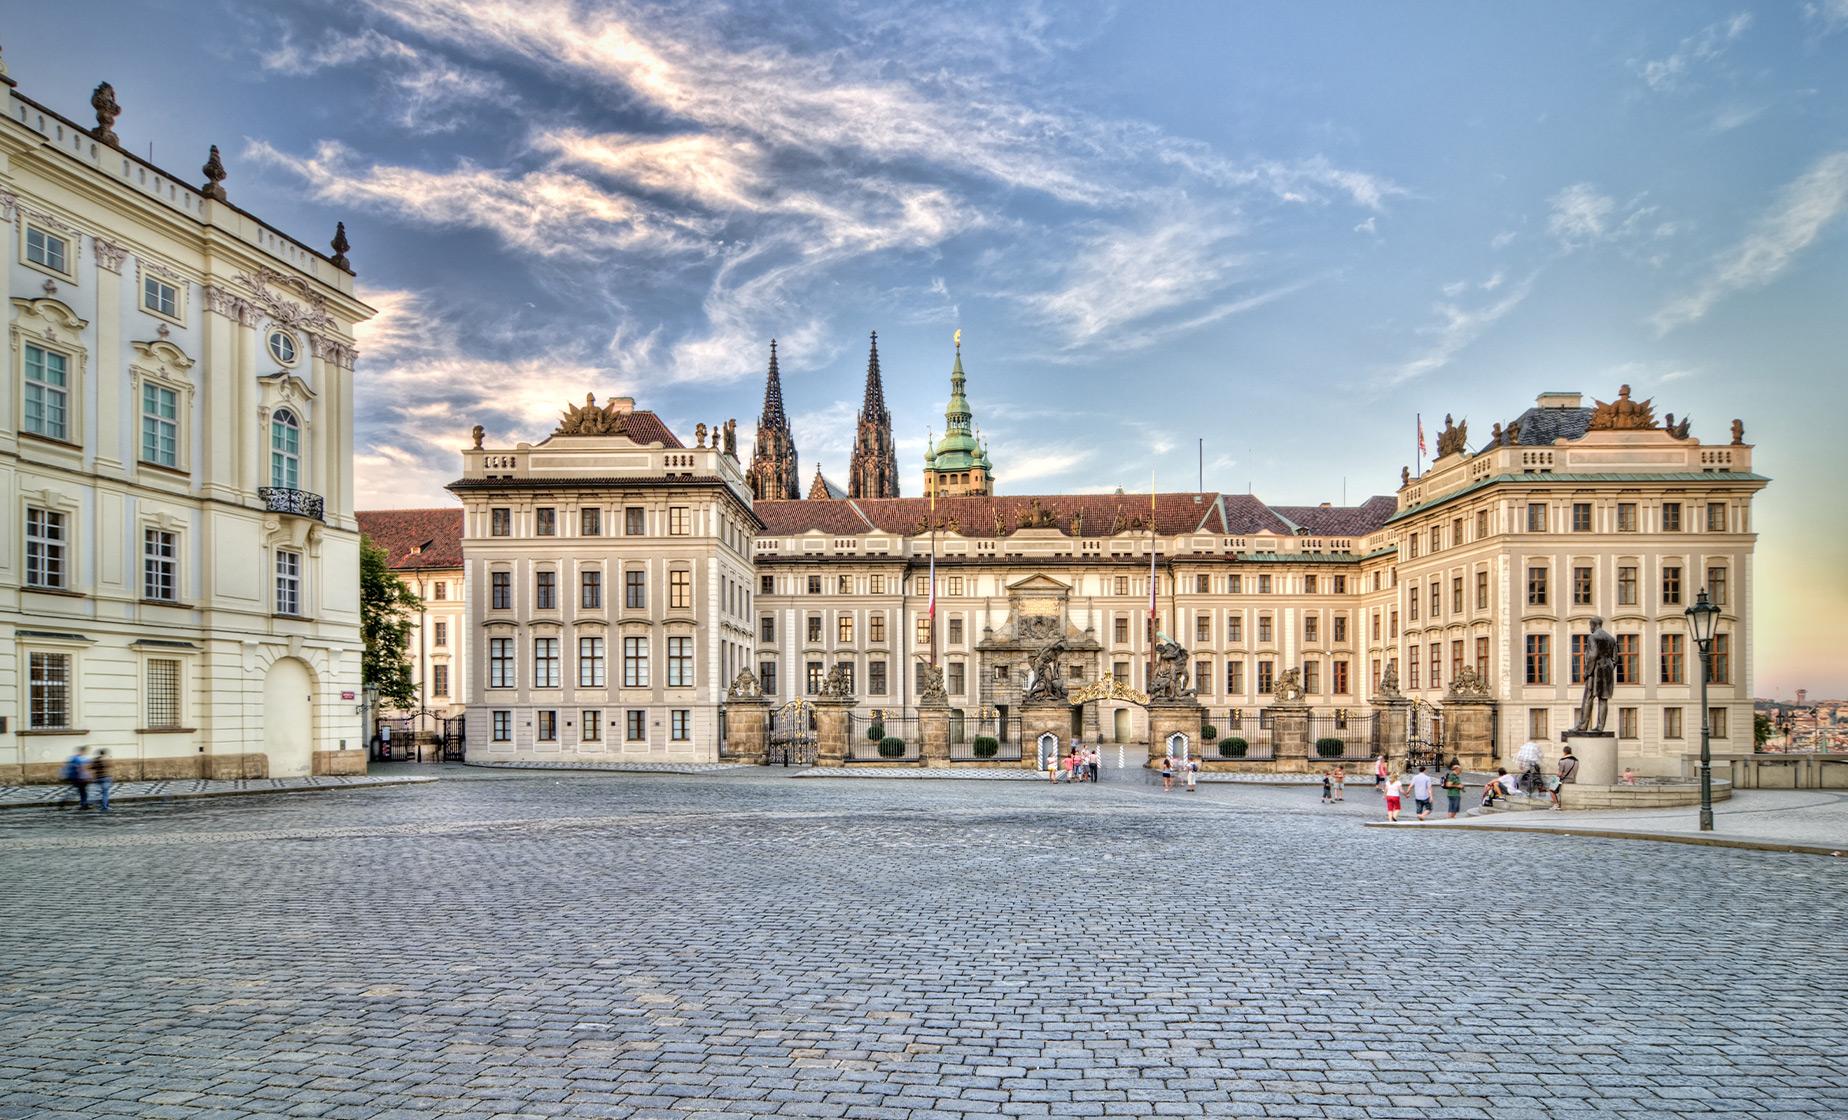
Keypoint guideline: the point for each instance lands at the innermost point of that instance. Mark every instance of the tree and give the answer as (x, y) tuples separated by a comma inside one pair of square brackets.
[(1761, 729), (385, 604)]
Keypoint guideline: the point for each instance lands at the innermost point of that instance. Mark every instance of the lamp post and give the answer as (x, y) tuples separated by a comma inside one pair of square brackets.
[(1702, 617)]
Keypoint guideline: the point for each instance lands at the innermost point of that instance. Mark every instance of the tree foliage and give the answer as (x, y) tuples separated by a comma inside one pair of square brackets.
[(385, 606), (1761, 729)]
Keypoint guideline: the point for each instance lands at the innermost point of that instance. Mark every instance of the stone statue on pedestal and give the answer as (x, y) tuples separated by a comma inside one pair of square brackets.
[(1600, 680), (1169, 681), (1043, 679)]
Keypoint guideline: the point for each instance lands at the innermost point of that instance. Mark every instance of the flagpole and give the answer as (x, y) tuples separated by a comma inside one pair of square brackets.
[(1149, 678), (933, 571)]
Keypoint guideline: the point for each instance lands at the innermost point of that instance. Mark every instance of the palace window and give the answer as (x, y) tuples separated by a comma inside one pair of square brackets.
[(590, 590), (160, 425), (1581, 517), (1264, 585), (1200, 584), (1456, 532), (1235, 627), (548, 725), (1536, 587), (1235, 676), (1437, 602), (439, 634), (160, 297), (45, 541), (634, 521), (1536, 724), (47, 393), (679, 589), (635, 662), (766, 585), (500, 522), (1716, 517), (1536, 517), (923, 631), (1626, 517), (285, 450), (635, 726), (1341, 585), (1628, 672), (1310, 628), (1716, 584), (1539, 659), (439, 590), (844, 585), (843, 630), (500, 663), (1719, 660), (590, 524), (1411, 546), (1578, 643), (1434, 653), (282, 347), (1673, 658), (766, 628), (1437, 538), (635, 589), (1119, 630), (590, 663), (1235, 583), (545, 662), (503, 726), (1312, 676), (593, 725), (159, 565), (1482, 590), (500, 591), (956, 679), (680, 662), (1203, 629), (1309, 584), (1267, 676), (288, 582), (1456, 657), (1581, 586), (1671, 723), (49, 686), (766, 677), (814, 585), (1264, 628), (1376, 626), (814, 629), (439, 680), (545, 521), (956, 630), (48, 250), (1716, 722), (1393, 626), (1411, 605), (545, 591), (1341, 678), (1482, 657), (875, 584), (163, 699), (1671, 585), (1671, 517), (955, 585), (1203, 676), (875, 627), (1482, 523), (875, 678), (680, 724), (1456, 595), (679, 524), (1626, 585)]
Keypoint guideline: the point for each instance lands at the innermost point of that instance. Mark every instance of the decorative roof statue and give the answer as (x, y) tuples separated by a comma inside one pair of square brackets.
[(731, 438), (1467, 684), (1405, 476), (340, 245), (1495, 434), (1738, 433), (744, 687), (103, 100), (1623, 414), (699, 435), (215, 176), (1453, 438), (591, 419), (479, 433), (1678, 430)]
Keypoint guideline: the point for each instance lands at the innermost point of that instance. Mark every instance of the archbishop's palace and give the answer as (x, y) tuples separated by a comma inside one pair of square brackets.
[(179, 577)]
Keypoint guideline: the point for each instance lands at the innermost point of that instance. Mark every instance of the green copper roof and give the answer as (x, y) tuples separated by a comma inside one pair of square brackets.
[(958, 450)]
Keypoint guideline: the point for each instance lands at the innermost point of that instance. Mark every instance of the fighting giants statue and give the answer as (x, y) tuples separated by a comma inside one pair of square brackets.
[(1170, 679), (930, 685), (1043, 679), (1600, 679)]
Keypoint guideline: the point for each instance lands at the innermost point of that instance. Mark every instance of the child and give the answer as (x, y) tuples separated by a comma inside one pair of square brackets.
[(1629, 776), (1328, 786), (1167, 774)]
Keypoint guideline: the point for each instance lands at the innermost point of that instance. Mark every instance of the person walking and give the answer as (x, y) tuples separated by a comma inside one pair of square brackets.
[(1453, 788), (1421, 794), (1568, 773), (77, 773), (1167, 773), (1340, 783), (1052, 766), (1193, 775), (99, 774), (1328, 786), (1379, 771), (1393, 791)]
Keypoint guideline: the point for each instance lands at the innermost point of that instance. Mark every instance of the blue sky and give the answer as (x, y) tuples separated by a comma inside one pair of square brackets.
[(1283, 229)]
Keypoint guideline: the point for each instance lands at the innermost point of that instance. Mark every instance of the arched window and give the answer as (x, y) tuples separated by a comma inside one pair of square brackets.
[(285, 450)]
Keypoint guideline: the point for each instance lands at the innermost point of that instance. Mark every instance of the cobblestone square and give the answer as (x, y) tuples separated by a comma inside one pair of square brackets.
[(534, 944)]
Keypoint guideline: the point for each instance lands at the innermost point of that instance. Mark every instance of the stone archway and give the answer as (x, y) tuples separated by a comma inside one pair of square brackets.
[(288, 718)]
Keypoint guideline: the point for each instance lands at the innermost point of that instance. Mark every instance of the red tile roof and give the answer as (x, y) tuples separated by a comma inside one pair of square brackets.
[(1341, 521), (416, 538)]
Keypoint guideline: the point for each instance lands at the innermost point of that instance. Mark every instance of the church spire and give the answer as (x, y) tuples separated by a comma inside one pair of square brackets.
[(773, 475), (873, 472), (959, 463)]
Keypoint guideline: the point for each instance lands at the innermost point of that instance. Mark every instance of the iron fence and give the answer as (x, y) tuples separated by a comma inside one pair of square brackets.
[(1002, 750), (1343, 736), (1243, 736)]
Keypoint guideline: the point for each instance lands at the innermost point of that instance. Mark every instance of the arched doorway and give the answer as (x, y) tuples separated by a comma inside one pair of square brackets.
[(1119, 726), (288, 718)]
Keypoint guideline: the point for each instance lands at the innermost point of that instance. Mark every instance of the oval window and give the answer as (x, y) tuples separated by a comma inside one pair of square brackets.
[(282, 347)]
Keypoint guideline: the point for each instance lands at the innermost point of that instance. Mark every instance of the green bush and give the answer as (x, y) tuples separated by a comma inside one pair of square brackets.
[(875, 733), (1330, 747), (1208, 732), (987, 746), (1233, 747), (892, 747)]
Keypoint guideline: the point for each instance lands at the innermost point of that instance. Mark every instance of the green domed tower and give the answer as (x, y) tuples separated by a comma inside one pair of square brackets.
[(958, 465)]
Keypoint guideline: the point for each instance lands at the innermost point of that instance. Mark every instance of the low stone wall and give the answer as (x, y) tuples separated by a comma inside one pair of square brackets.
[(339, 762), (1783, 771), (1648, 795), (222, 767)]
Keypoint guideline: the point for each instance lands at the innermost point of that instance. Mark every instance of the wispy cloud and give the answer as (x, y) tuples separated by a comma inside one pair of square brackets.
[(1829, 16), (1455, 329), (1579, 215), (1122, 276), (1674, 71), (1803, 209), (429, 93)]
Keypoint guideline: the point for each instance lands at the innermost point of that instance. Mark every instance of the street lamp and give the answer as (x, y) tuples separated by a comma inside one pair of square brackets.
[(1703, 616)]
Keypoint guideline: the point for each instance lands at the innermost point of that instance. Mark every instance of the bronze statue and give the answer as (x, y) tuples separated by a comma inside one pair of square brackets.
[(1043, 679), (1600, 679)]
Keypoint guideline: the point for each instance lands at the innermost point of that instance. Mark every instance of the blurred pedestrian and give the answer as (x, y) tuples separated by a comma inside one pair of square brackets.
[(77, 773), (99, 774), (1453, 788)]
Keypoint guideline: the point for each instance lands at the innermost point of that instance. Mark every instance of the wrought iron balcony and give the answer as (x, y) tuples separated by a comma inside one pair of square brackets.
[(299, 503)]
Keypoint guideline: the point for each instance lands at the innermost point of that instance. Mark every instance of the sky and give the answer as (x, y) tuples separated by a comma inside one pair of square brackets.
[(1285, 231)]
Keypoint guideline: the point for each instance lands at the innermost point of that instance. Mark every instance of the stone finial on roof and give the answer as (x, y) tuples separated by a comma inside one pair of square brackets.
[(215, 176), (340, 245), (103, 100)]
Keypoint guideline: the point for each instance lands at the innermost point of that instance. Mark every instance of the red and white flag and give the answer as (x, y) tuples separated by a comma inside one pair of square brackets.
[(1421, 441)]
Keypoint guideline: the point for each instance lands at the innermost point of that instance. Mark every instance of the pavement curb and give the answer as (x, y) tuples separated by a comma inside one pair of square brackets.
[(137, 798), (1619, 834)]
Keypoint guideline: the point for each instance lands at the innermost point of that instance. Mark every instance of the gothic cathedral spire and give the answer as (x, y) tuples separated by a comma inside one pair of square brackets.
[(773, 473), (874, 470)]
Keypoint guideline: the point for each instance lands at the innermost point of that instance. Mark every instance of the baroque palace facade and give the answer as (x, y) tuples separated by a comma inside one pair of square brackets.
[(618, 583), (177, 583)]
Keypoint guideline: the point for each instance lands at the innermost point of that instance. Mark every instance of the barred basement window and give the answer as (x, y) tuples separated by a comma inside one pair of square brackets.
[(163, 693), (49, 686)]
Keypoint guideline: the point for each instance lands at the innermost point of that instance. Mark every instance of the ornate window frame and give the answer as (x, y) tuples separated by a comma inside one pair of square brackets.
[(148, 271), (162, 364), (70, 507), (50, 324), (152, 518), (47, 226), (278, 391)]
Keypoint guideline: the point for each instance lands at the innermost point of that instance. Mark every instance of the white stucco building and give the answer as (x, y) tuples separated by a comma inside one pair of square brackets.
[(178, 563)]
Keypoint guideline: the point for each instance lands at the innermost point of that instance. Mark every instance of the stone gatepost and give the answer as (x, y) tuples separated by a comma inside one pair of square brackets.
[(1169, 717), (934, 733), (1290, 737), (1038, 718), (831, 730), (1394, 714), (1469, 725), (747, 729)]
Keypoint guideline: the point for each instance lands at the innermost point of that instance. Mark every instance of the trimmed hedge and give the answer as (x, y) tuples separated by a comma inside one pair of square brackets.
[(875, 733), (891, 747), (1233, 747), (1208, 732), (986, 746), (1330, 747)]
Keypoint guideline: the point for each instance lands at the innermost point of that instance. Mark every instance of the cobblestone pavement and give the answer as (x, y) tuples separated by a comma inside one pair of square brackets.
[(16, 797), (531, 944)]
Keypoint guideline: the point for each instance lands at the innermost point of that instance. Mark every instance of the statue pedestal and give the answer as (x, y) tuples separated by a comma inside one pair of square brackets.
[(1168, 718), (1395, 717), (934, 734), (1597, 757), (1470, 732), (1290, 737), (831, 730), (1038, 718), (747, 729)]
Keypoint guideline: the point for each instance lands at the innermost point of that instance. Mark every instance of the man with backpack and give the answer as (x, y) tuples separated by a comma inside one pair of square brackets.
[(77, 773)]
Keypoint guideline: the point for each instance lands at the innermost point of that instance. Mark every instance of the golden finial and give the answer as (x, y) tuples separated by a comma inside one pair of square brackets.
[(959, 338)]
